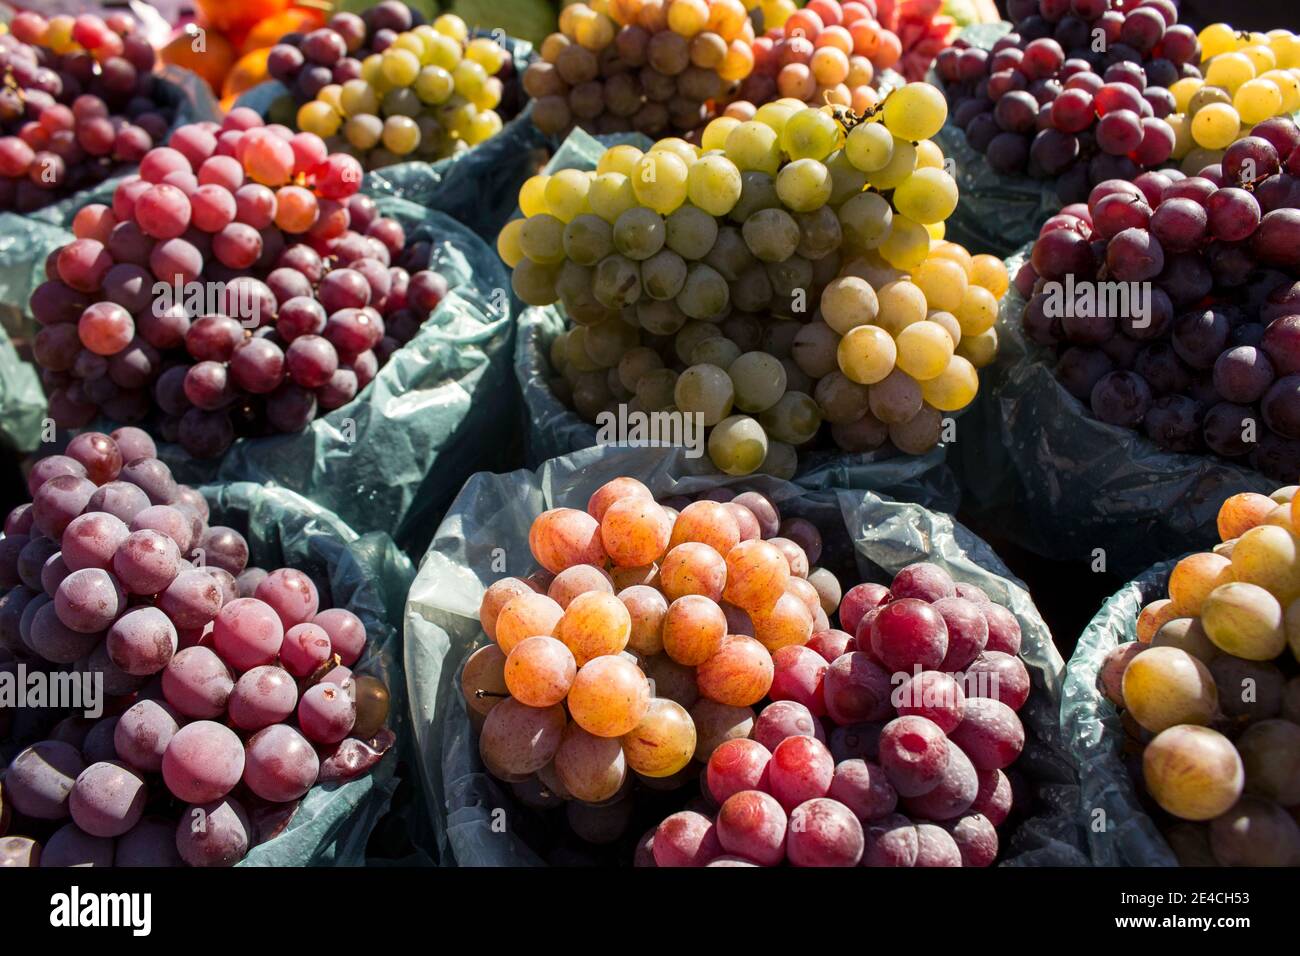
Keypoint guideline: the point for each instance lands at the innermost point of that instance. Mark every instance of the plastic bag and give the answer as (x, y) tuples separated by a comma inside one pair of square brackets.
[(22, 400), (394, 457), (553, 429), (369, 576), (484, 537), (1090, 727), (995, 213), (1037, 465)]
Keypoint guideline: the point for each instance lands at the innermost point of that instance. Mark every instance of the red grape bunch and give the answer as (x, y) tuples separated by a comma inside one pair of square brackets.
[(1045, 102), (79, 99), (240, 284), (228, 690), (1213, 361)]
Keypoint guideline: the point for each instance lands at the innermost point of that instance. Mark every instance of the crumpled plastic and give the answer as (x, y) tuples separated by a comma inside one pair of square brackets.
[(369, 576), (1091, 729), (553, 429), (995, 213), (1037, 465), (22, 400), (867, 537)]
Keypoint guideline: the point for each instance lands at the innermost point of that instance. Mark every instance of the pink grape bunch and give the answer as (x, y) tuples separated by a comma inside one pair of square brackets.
[(79, 101), (886, 742), (228, 690), (1213, 362), (1043, 101), (293, 290)]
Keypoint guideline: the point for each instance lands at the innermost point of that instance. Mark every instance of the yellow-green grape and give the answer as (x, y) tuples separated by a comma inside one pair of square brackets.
[(1288, 85), (401, 102), (635, 363), (1181, 124), (915, 111), (372, 70), (412, 42), (678, 147), (400, 135), (660, 318), (691, 335), (618, 282), (1257, 100), (869, 147), (662, 277), (754, 146), (534, 282), (659, 181), (866, 220), (489, 94), (1182, 91), (705, 293), (738, 445), (448, 24), (607, 341), (713, 184), (704, 390), (716, 133), (443, 51), (980, 350), (566, 193), (469, 78), (895, 399), (900, 304), (363, 131), (928, 155), (776, 114), (399, 67), (575, 350), (1260, 57), (900, 166), (759, 380), (610, 195), (810, 134), (1244, 620), (847, 303), (330, 94), (619, 159), (978, 310), (943, 281), (654, 389), (509, 247), (587, 239), (457, 115), (1165, 686), (639, 233), (867, 354), (715, 350), (691, 232), (434, 85), (532, 195), (1193, 772), (795, 418), (928, 195), (1215, 126), (1229, 71), (319, 118), (542, 238), (484, 125), (846, 179), (486, 53), (954, 387), (949, 323), (804, 185), (924, 350), (907, 244), (772, 235), (1269, 557)]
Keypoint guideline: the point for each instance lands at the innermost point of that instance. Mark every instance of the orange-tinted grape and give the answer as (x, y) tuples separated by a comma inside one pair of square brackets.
[(708, 522), (693, 568), (609, 696), (739, 674), (663, 742), (1153, 617), (1193, 772), (786, 622), (672, 680), (495, 598), (635, 532), (757, 574), (483, 680), (647, 608), (1193, 578), (518, 739), (693, 629), (620, 489), (795, 556), (579, 579), (528, 615), (716, 723), (591, 768), (540, 671), (1166, 686), (805, 592), (625, 578), (594, 624), (563, 537)]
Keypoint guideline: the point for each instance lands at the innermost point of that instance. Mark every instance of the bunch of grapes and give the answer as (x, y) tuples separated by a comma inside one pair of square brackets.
[(788, 274), (1043, 101), (827, 52), (653, 633), (644, 65), (79, 99), (216, 675), (1211, 697), (1248, 78), (1208, 353), (239, 283), (384, 87)]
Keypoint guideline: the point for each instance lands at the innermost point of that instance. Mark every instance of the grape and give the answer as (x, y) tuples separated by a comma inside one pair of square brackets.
[(72, 846), (202, 762), (914, 755), (281, 765), (1193, 772), (196, 683), (686, 838), (663, 742), (990, 733), (591, 768), (107, 799), (751, 824), (891, 841), (801, 769), (609, 696), (141, 736), (326, 713), (40, 779), (214, 833)]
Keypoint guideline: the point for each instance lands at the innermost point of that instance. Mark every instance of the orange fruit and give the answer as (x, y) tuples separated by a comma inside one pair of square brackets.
[(208, 54), (238, 18), (293, 20), (248, 71)]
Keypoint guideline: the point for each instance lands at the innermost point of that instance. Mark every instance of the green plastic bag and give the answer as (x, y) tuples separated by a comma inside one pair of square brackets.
[(1090, 728), (554, 430), (394, 457), (1037, 465), (369, 576), (22, 400), (995, 213), (485, 537)]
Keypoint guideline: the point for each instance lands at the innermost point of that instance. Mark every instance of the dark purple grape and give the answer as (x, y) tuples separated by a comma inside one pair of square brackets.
[(1173, 422), (1185, 278), (1242, 374), (1160, 365), (1134, 255), (1121, 398), (1281, 406), (1198, 337), (1250, 160), (1276, 457), (1079, 369)]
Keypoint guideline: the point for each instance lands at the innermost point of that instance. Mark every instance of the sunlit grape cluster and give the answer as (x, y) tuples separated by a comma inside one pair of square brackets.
[(79, 101), (1210, 693), (668, 645), (647, 65), (394, 88), (225, 688), (827, 52), (788, 273)]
